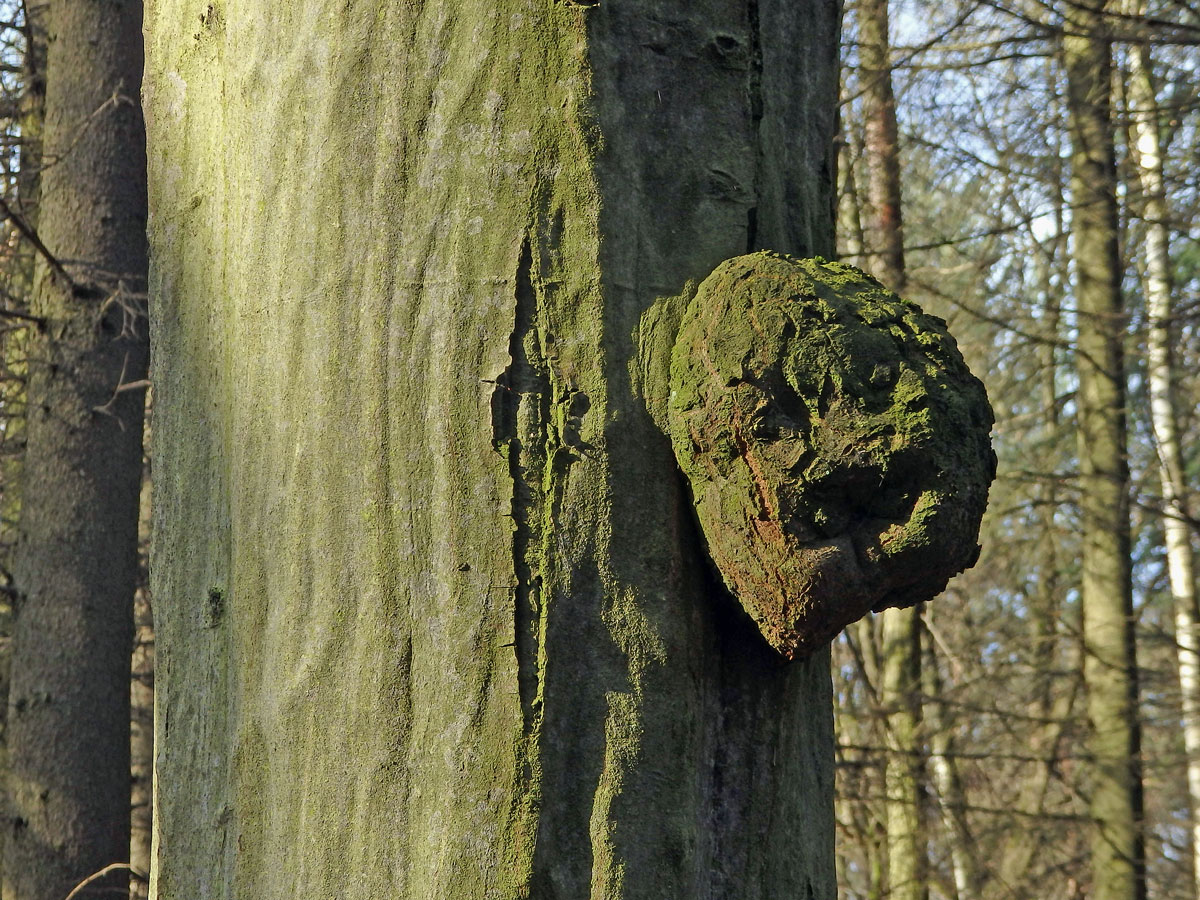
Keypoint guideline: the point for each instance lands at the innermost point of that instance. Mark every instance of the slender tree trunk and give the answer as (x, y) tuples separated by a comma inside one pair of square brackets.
[(900, 692), (75, 571), (885, 227), (850, 227), (1052, 702), (141, 703), (33, 112), (433, 617), (900, 684), (1110, 668), (952, 798), (1147, 152), (860, 795), (17, 279)]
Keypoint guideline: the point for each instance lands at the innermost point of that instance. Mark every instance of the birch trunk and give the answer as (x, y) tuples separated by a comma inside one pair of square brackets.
[(1147, 152)]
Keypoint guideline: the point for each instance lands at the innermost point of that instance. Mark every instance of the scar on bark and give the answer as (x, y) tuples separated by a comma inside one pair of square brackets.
[(835, 443)]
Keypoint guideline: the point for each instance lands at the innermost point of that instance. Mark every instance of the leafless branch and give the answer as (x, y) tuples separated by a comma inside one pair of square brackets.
[(28, 232), (107, 870), (122, 387)]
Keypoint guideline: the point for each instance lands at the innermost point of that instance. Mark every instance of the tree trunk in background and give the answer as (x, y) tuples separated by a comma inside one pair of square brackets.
[(16, 280), (433, 617), (1147, 151), (943, 765), (1054, 687), (141, 709), (1110, 670), (76, 566), (33, 114), (900, 693), (850, 225), (16, 276), (885, 224), (900, 683)]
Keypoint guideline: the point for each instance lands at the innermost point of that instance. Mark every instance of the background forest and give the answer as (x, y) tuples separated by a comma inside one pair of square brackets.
[(972, 755), (992, 710)]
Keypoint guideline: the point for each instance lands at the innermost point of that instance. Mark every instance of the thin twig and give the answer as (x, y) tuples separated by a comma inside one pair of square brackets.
[(32, 236), (122, 386), (24, 317), (114, 100), (107, 870)]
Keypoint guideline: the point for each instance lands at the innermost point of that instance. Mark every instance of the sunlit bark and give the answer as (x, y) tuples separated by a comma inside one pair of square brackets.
[(433, 617), (1110, 669), (1147, 152)]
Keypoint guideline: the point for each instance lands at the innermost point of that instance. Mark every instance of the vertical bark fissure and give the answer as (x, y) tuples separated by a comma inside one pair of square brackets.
[(520, 414), (526, 430)]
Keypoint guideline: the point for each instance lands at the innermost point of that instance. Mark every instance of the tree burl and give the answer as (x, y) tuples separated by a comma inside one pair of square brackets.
[(836, 444)]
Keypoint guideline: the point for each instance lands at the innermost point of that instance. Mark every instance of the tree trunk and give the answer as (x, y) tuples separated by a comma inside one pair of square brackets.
[(141, 711), (76, 568), (1110, 669), (885, 231), (16, 279), (433, 617), (900, 684), (951, 793), (900, 691), (1055, 669), (1147, 151)]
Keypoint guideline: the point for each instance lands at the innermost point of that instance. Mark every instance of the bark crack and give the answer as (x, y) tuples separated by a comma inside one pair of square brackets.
[(520, 431)]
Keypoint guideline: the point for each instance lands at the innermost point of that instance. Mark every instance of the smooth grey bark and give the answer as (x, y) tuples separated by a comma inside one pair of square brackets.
[(75, 569), (434, 620)]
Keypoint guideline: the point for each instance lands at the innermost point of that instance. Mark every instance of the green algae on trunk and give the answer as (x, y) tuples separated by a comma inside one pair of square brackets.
[(466, 645), (835, 443)]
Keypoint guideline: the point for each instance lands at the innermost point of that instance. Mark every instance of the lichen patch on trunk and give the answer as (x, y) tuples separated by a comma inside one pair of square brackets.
[(835, 442)]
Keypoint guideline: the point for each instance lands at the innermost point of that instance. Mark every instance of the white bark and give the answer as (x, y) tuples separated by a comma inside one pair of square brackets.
[(1147, 153)]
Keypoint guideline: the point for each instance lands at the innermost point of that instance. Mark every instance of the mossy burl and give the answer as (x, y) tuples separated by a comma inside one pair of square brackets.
[(836, 444)]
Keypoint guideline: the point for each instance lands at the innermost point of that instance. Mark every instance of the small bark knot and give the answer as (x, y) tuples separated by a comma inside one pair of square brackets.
[(836, 445)]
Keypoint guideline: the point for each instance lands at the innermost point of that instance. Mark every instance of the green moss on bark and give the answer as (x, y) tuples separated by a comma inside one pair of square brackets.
[(835, 442), (466, 648)]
